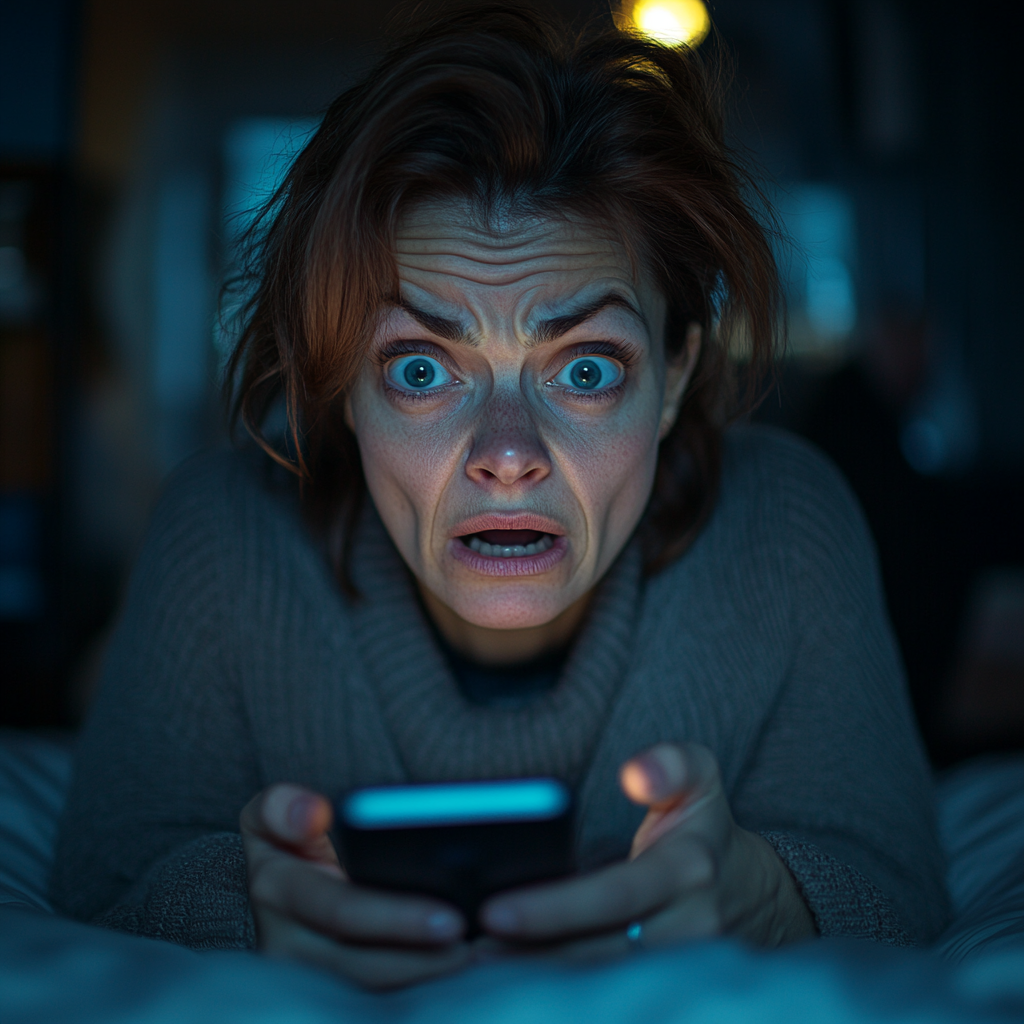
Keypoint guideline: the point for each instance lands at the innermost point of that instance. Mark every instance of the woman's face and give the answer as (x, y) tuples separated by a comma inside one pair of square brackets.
[(510, 408)]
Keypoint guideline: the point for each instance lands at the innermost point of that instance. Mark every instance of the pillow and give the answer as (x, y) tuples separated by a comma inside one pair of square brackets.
[(981, 823), (35, 769)]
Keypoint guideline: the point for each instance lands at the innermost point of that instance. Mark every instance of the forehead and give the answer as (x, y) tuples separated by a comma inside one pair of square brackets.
[(450, 248)]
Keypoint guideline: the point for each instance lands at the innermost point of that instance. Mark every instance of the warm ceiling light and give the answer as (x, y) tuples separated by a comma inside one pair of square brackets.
[(672, 22)]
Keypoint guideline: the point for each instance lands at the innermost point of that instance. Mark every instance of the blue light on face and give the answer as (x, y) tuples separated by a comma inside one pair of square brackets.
[(463, 803)]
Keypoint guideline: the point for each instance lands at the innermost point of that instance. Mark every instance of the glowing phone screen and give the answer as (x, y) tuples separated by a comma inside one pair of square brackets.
[(457, 803)]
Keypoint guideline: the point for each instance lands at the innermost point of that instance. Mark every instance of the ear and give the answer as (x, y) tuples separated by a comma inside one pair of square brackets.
[(677, 375)]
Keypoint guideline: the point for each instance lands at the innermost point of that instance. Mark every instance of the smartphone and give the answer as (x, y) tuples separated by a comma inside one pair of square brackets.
[(459, 841)]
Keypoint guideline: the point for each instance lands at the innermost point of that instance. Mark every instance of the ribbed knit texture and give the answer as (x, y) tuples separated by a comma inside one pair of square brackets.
[(237, 663)]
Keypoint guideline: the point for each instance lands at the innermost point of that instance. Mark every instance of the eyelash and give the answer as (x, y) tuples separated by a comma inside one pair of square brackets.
[(387, 352)]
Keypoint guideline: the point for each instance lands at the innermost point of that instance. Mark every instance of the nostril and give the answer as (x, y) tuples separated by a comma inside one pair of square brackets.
[(497, 460)]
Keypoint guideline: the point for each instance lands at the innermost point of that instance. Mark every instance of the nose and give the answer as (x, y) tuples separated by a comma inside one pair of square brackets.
[(507, 448)]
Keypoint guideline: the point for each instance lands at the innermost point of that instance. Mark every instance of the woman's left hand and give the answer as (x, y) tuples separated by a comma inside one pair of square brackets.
[(692, 873)]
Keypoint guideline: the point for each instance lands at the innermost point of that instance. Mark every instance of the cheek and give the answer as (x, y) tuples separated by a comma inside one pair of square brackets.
[(406, 461), (612, 469)]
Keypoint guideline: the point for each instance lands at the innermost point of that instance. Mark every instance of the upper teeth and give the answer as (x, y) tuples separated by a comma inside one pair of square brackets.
[(481, 547)]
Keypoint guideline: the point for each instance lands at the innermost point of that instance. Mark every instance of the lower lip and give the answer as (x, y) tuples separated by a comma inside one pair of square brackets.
[(524, 565)]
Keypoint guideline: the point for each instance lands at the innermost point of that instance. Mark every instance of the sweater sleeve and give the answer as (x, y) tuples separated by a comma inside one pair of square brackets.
[(838, 782), (149, 841), (841, 900)]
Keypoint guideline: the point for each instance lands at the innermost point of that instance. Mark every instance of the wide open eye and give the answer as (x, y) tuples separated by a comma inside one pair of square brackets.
[(418, 373), (589, 373)]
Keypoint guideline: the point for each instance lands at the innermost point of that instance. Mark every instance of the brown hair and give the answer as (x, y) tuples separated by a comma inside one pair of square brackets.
[(504, 105)]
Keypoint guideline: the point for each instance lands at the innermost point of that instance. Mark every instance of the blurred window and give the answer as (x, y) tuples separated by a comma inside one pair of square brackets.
[(258, 151), (817, 261), (257, 154)]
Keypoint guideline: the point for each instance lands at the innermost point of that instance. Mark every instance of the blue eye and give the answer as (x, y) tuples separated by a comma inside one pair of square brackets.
[(418, 373), (589, 373)]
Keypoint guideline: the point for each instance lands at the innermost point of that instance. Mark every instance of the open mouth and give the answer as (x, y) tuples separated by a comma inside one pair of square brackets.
[(506, 544), (509, 543)]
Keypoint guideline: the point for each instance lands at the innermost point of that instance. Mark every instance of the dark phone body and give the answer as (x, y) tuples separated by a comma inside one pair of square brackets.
[(457, 860)]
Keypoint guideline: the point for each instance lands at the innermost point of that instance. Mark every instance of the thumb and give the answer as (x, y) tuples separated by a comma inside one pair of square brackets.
[(666, 774), (658, 777), (293, 817), (674, 781)]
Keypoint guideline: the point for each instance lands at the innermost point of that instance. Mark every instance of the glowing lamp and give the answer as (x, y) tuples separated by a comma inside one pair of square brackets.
[(672, 22)]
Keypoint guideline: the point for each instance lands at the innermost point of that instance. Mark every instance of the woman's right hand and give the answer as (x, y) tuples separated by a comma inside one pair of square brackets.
[(306, 909)]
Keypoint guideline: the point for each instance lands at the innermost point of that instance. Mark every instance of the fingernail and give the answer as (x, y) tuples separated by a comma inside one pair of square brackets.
[(657, 778), (443, 924), (298, 814), (502, 919)]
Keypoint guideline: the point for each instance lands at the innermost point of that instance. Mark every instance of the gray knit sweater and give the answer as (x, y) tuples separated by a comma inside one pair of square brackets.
[(237, 663)]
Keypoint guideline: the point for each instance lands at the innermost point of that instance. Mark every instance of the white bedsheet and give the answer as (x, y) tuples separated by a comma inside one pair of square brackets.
[(56, 971)]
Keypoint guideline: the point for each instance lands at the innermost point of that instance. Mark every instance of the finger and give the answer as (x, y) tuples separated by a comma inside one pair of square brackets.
[(287, 813), (292, 817), (687, 920), (373, 968), (696, 918), (334, 907), (663, 775), (607, 899), (394, 968)]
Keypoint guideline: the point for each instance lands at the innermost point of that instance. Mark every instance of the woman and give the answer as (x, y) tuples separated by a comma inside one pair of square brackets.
[(495, 295)]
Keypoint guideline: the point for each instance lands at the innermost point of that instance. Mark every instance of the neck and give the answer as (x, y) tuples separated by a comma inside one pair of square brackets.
[(504, 646)]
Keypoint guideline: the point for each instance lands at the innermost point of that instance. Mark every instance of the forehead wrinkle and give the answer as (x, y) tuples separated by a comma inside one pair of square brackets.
[(444, 260), (530, 263), (436, 244), (444, 222), (491, 249), (504, 273)]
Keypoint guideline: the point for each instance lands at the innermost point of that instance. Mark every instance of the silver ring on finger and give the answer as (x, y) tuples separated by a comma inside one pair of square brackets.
[(635, 936)]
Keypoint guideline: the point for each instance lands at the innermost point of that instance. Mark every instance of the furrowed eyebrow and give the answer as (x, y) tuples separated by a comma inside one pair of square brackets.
[(555, 327), (442, 326), (547, 330)]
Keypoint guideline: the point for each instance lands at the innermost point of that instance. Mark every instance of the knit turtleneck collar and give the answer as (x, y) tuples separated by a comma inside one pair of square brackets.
[(438, 734)]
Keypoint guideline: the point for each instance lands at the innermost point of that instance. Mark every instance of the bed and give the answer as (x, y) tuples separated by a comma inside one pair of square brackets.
[(53, 970)]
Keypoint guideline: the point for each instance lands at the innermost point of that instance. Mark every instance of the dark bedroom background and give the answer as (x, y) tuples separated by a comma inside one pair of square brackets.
[(135, 137)]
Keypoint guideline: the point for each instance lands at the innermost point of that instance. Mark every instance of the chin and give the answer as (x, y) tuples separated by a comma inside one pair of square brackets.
[(508, 607)]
